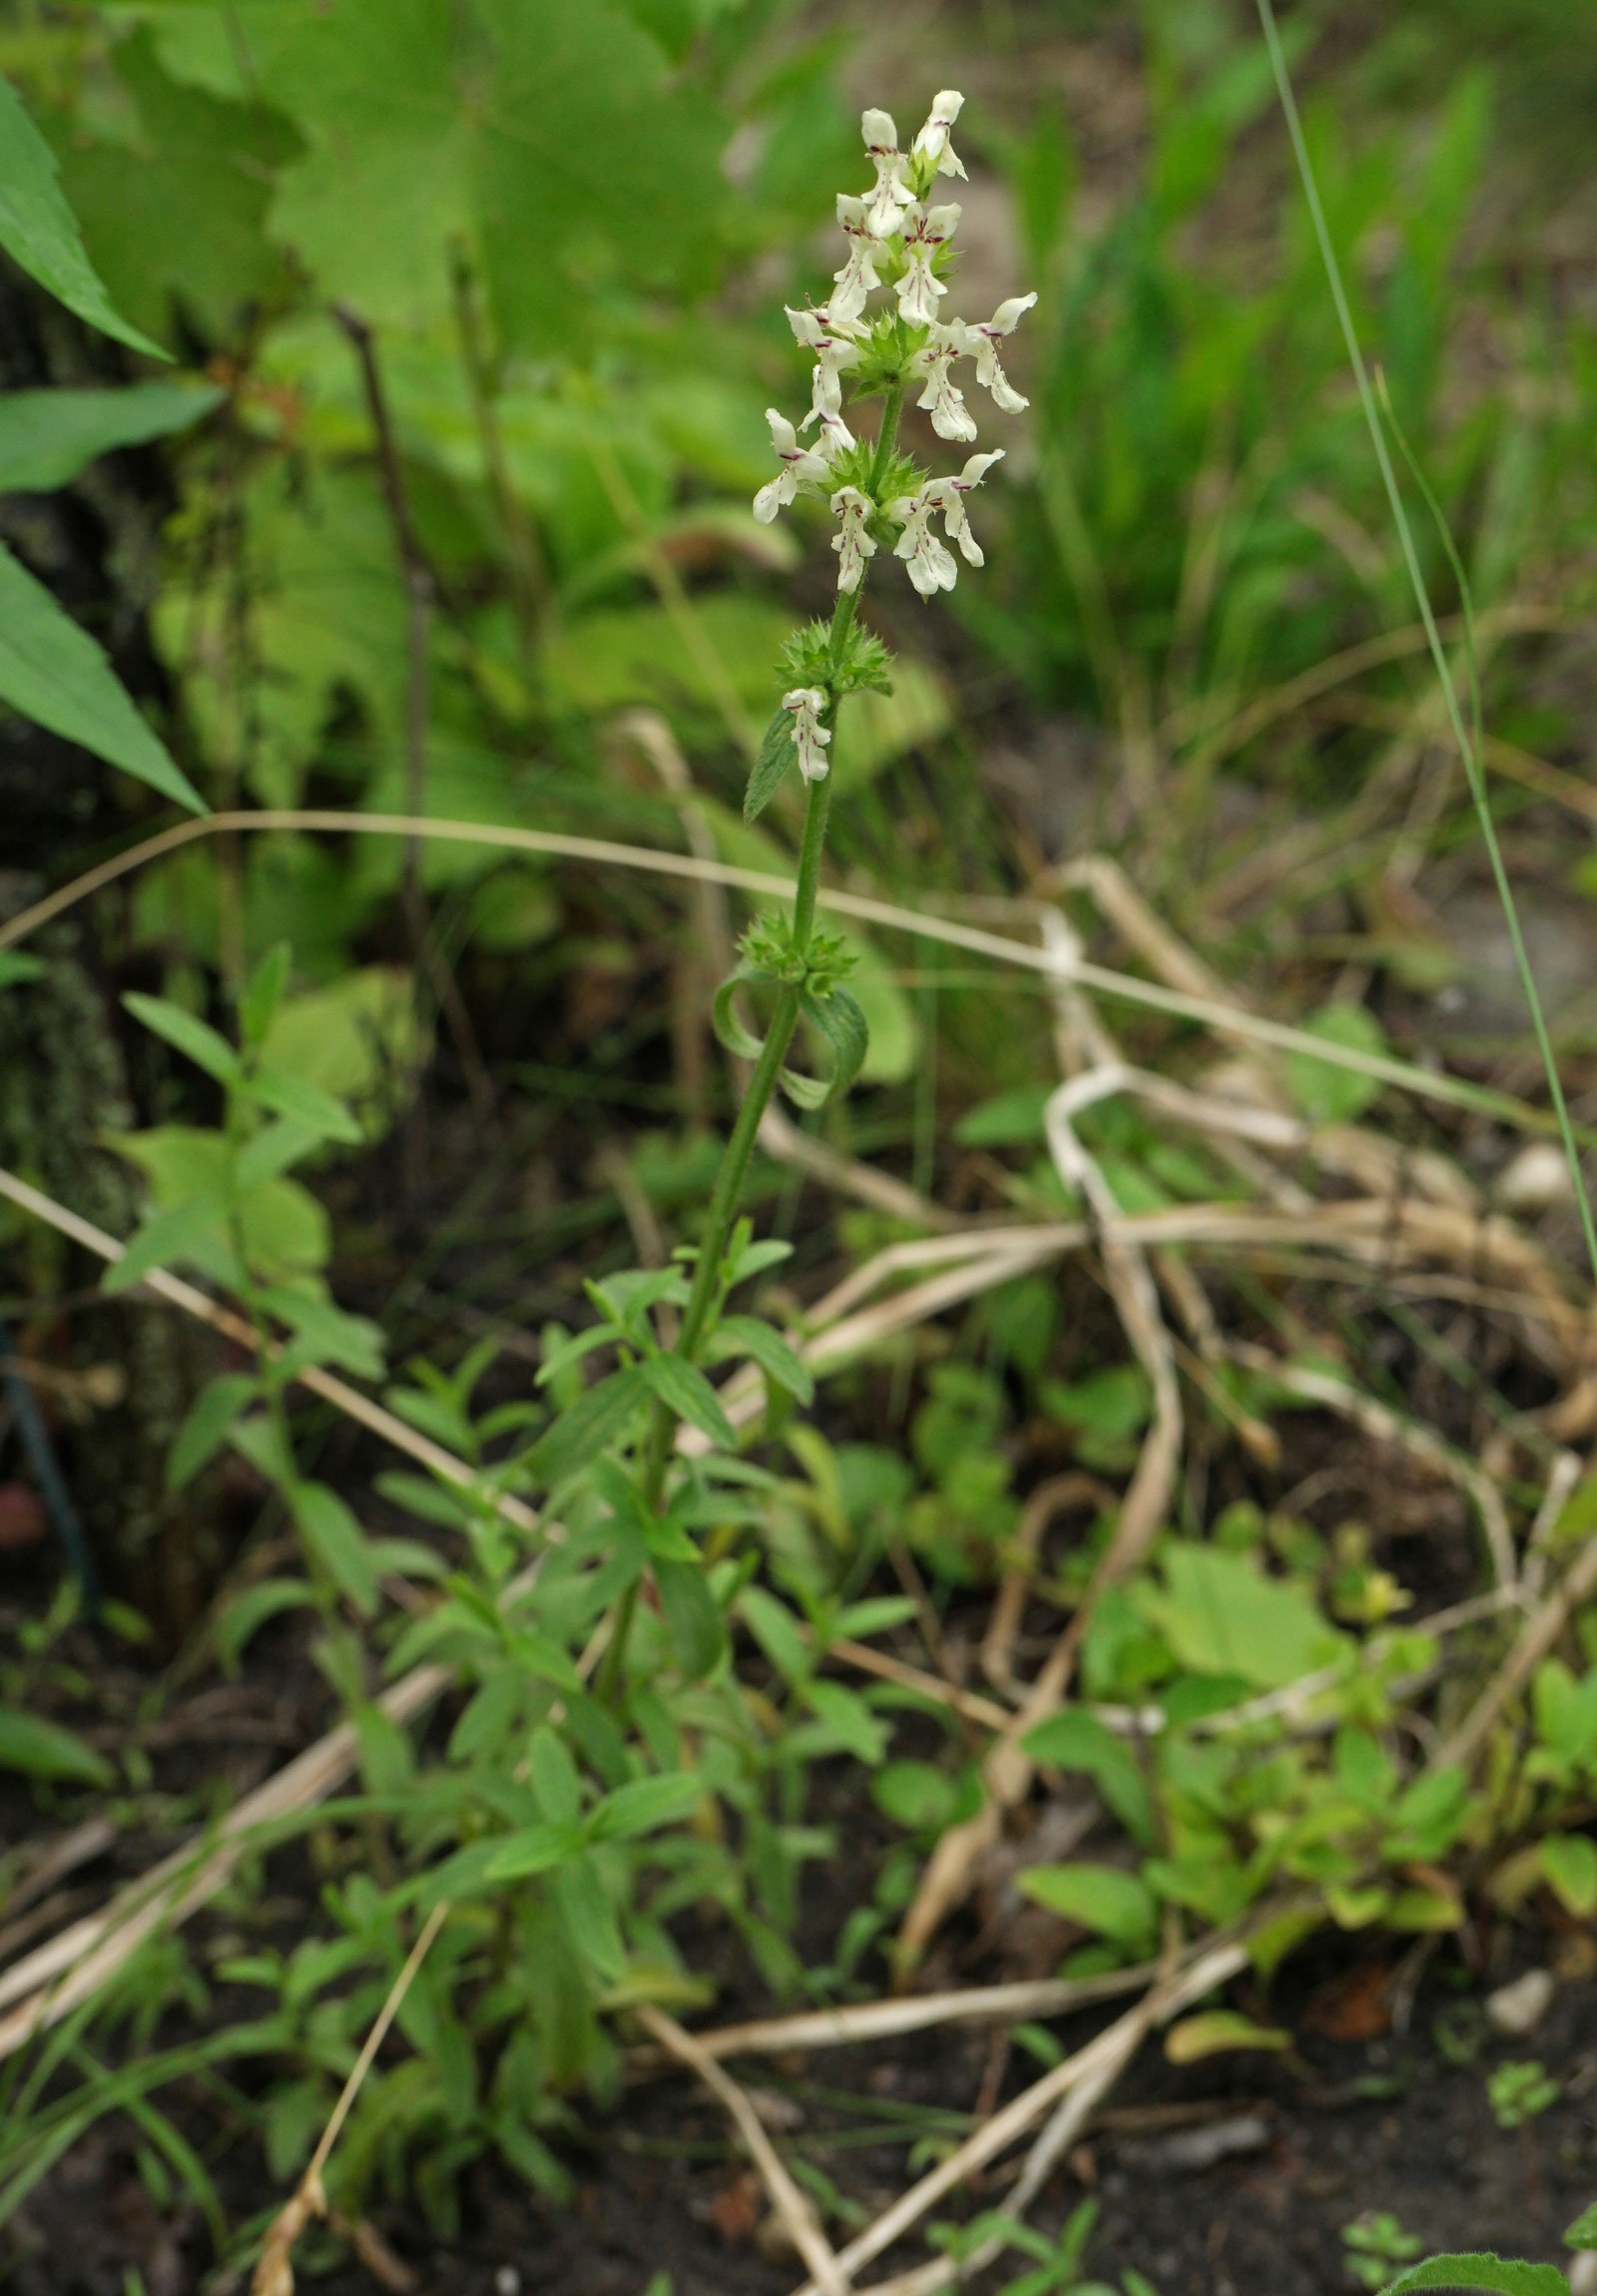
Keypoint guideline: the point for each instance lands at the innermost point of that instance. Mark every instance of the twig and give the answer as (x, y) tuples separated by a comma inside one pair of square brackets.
[(273, 2273), (797, 2216), (421, 598), (858, 2021)]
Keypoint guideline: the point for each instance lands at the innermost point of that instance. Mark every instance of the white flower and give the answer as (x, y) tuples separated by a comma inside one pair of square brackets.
[(950, 417), (919, 291), (932, 567), (811, 737), (948, 496), (851, 542), (797, 463), (831, 341), (892, 194), (858, 274), (984, 342), (933, 136)]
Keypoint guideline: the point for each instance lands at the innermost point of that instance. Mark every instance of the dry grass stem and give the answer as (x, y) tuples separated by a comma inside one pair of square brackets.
[(791, 2206)]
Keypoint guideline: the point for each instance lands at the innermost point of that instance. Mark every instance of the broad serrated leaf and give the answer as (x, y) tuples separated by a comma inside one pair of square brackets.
[(683, 1387), (40, 231), (770, 768), (196, 1039), (1507, 2276), (205, 1430), (48, 437), (52, 672), (41, 1748)]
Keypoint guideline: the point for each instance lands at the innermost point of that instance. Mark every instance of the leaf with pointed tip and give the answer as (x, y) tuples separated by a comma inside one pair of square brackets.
[(40, 231), (48, 437), (52, 672), (770, 768)]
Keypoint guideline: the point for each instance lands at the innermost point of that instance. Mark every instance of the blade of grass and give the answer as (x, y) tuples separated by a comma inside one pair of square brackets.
[(1468, 747)]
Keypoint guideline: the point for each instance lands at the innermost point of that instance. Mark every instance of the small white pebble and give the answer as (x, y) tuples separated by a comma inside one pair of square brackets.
[(1536, 1180), (507, 2281), (1518, 2009)]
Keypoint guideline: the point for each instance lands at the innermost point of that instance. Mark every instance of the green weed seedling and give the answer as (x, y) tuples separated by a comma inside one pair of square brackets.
[(1376, 2246), (1058, 2262), (1520, 2092)]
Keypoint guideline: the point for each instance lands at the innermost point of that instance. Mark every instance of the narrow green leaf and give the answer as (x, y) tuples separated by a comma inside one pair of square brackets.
[(40, 231), (247, 1613), (165, 1238), (1102, 1897), (302, 1103), (204, 1429), (52, 672), (645, 1804), (196, 1039), (41, 1748), (693, 1620), (48, 437), (729, 1031), (840, 1025), (683, 1387), (334, 1536), (535, 1850), (597, 1418), (771, 766), (748, 1335)]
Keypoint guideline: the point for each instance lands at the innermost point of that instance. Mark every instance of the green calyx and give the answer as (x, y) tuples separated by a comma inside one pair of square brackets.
[(864, 663), (884, 354), (770, 952)]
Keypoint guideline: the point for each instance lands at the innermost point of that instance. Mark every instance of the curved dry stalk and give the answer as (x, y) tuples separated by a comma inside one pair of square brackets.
[(797, 2216), (1224, 1016), (274, 2272), (1206, 1968)]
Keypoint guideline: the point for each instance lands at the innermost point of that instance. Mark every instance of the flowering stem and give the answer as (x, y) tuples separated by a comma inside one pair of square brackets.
[(708, 1275)]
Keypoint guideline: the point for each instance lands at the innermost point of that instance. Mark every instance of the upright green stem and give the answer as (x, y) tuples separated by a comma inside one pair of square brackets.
[(708, 1275)]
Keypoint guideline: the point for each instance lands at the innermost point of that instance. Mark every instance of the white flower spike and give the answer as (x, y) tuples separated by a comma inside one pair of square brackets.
[(984, 342), (942, 398), (892, 234), (932, 140), (919, 290), (797, 463), (886, 203), (852, 542), (811, 737), (859, 276)]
